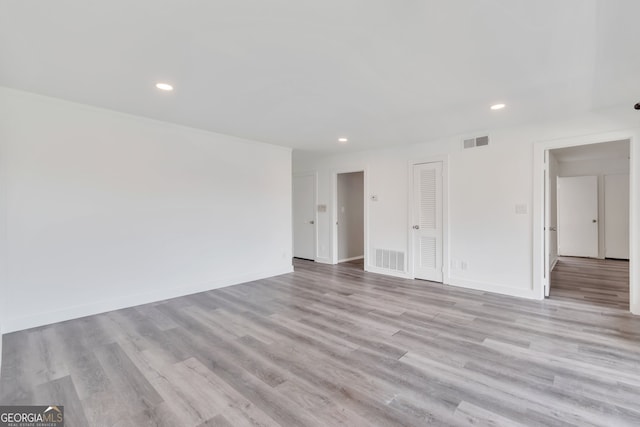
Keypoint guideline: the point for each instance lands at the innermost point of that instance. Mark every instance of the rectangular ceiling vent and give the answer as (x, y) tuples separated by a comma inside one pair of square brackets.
[(390, 260), (479, 141)]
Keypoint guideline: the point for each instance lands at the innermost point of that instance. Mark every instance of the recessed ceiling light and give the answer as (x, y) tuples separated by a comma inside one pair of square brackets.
[(498, 106), (164, 86), (343, 140)]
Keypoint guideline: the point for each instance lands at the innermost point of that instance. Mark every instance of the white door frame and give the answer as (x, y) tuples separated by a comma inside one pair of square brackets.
[(445, 214), (313, 174), (539, 173), (334, 213), (546, 203)]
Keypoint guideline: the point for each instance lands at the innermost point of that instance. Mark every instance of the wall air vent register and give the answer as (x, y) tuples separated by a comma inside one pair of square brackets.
[(479, 141)]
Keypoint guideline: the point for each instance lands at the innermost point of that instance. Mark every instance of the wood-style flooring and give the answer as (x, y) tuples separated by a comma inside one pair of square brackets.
[(333, 345), (356, 263), (603, 282)]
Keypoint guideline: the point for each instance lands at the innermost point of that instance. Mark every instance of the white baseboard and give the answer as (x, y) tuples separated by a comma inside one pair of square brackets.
[(490, 287), (40, 319), (323, 261), (553, 263), (351, 259)]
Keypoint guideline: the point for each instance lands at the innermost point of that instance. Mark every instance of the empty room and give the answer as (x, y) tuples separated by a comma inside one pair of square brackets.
[(289, 213)]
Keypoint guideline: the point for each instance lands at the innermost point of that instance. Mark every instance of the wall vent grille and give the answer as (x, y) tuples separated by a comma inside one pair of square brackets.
[(479, 141), (390, 260)]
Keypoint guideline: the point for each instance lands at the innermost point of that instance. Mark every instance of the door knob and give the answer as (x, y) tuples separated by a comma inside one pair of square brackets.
[(416, 227), (312, 222), (594, 220)]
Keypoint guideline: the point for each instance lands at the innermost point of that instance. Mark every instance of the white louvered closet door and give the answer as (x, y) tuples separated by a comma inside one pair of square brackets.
[(427, 221)]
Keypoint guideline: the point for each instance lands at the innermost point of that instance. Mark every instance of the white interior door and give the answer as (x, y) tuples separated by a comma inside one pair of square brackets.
[(427, 221), (616, 216), (304, 228), (578, 216), (547, 225)]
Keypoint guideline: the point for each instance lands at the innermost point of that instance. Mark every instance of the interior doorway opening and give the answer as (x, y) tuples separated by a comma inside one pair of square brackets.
[(350, 219), (587, 223)]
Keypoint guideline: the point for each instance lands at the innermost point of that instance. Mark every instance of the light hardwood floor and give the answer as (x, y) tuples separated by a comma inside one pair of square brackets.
[(332, 345)]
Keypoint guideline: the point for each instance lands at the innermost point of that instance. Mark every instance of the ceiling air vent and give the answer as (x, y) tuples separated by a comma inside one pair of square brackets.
[(479, 141)]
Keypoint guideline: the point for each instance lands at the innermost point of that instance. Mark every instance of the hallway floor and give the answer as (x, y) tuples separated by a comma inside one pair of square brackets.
[(596, 282)]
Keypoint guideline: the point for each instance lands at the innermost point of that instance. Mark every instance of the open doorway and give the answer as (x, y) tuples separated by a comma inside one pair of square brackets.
[(350, 219), (587, 223)]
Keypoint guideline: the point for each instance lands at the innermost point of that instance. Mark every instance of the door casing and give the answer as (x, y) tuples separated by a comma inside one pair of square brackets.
[(446, 256), (420, 232), (334, 213), (538, 210), (314, 217)]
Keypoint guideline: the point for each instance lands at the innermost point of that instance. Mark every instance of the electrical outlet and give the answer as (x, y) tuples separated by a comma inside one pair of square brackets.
[(463, 265)]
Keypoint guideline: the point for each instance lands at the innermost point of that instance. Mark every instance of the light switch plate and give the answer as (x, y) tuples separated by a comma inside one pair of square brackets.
[(521, 209)]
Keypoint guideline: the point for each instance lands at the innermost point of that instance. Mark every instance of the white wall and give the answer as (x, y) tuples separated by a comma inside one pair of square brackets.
[(599, 168), (3, 232), (106, 210), (350, 215), (485, 185), (3, 235), (616, 216), (594, 167)]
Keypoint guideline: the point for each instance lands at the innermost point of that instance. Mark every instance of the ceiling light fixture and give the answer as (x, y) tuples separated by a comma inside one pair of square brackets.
[(498, 106), (343, 140), (164, 86)]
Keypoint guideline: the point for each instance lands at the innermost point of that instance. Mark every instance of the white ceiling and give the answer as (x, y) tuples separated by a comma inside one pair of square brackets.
[(605, 150), (302, 73)]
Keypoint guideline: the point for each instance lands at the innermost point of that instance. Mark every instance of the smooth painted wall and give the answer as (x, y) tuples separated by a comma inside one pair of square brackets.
[(106, 210), (616, 216), (3, 237), (485, 185), (350, 215)]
